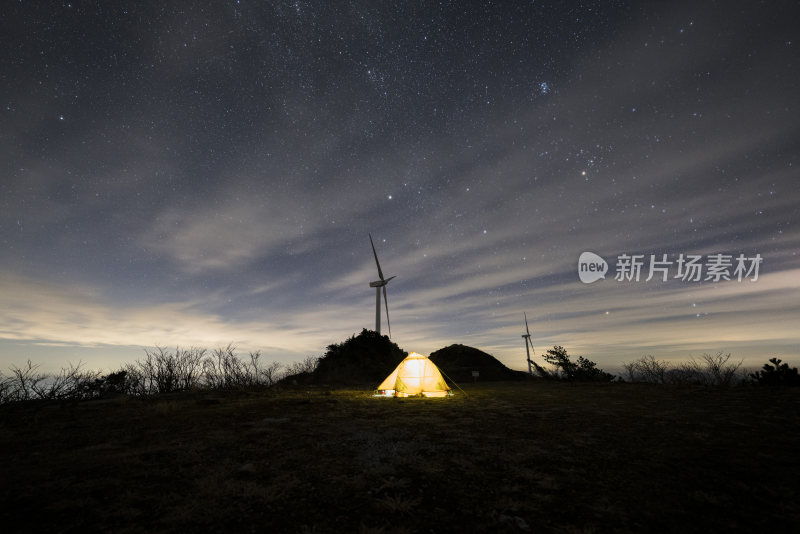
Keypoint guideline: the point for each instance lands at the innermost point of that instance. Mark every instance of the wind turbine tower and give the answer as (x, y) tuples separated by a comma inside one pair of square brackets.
[(378, 284), (527, 338)]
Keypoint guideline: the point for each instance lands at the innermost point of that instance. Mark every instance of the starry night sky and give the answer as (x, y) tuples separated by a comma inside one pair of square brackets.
[(205, 175)]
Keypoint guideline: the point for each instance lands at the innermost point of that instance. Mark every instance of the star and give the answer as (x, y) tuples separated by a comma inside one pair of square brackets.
[(243, 151)]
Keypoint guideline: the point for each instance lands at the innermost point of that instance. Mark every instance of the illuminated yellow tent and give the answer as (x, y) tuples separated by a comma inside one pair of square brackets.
[(415, 375)]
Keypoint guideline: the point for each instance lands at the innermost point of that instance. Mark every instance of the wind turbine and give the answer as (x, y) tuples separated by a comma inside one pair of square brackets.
[(527, 337), (378, 284)]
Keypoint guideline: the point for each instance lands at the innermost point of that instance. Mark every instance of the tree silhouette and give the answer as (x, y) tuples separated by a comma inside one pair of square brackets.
[(777, 374), (582, 370)]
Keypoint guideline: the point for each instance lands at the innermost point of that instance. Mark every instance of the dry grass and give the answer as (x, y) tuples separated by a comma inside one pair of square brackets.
[(510, 457)]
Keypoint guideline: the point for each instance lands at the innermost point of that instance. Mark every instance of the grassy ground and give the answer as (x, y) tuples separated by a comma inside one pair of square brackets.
[(509, 457)]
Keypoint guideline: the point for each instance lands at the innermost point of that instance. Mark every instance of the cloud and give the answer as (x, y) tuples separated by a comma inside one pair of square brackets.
[(221, 187), (44, 313)]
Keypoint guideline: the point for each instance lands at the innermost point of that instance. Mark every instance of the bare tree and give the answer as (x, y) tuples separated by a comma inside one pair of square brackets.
[(709, 370), (646, 369), (225, 370), (270, 374), (189, 367), (306, 365), (721, 372), (630, 372), (5, 389), (71, 382), (24, 381), (162, 371), (135, 381), (259, 374)]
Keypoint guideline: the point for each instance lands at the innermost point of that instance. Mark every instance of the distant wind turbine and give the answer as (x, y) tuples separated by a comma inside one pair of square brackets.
[(378, 284), (527, 337)]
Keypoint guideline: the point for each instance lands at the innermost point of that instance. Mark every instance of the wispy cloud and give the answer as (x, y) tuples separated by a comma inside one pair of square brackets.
[(224, 191)]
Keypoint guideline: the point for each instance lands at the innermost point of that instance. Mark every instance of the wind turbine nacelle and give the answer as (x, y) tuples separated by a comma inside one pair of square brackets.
[(381, 283)]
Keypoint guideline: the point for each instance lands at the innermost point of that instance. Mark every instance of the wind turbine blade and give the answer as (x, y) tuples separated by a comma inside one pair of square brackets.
[(380, 273), (386, 303), (526, 324)]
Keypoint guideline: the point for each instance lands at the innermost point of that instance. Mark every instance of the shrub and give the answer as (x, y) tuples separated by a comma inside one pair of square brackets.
[(225, 370), (646, 369), (163, 371), (70, 383), (115, 382), (160, 371), (308, 365), (776, 373), (23, 382), (709, 370), (5, 389)]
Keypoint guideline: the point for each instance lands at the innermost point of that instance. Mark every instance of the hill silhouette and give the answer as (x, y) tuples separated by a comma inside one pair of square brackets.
[(458, 362), (366, 358), (369, 357)]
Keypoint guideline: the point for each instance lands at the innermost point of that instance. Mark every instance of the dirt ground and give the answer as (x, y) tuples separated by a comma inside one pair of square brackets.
[(504, 457)]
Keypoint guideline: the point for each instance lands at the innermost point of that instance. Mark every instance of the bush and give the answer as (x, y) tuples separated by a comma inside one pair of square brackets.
[(709, 370), (71, 383), (115, 382), (776, 374), (364, 358), (225, 370), (163, 371), (22, 383), (5, 389), (646, 369), (160, 371), (308, 365)]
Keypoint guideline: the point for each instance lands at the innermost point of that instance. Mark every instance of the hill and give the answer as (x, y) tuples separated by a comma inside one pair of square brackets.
[(366, 358), (458, 362), (369, 357)]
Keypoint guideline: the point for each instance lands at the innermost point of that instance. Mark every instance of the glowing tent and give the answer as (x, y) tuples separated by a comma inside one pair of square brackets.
[(415, 375)]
